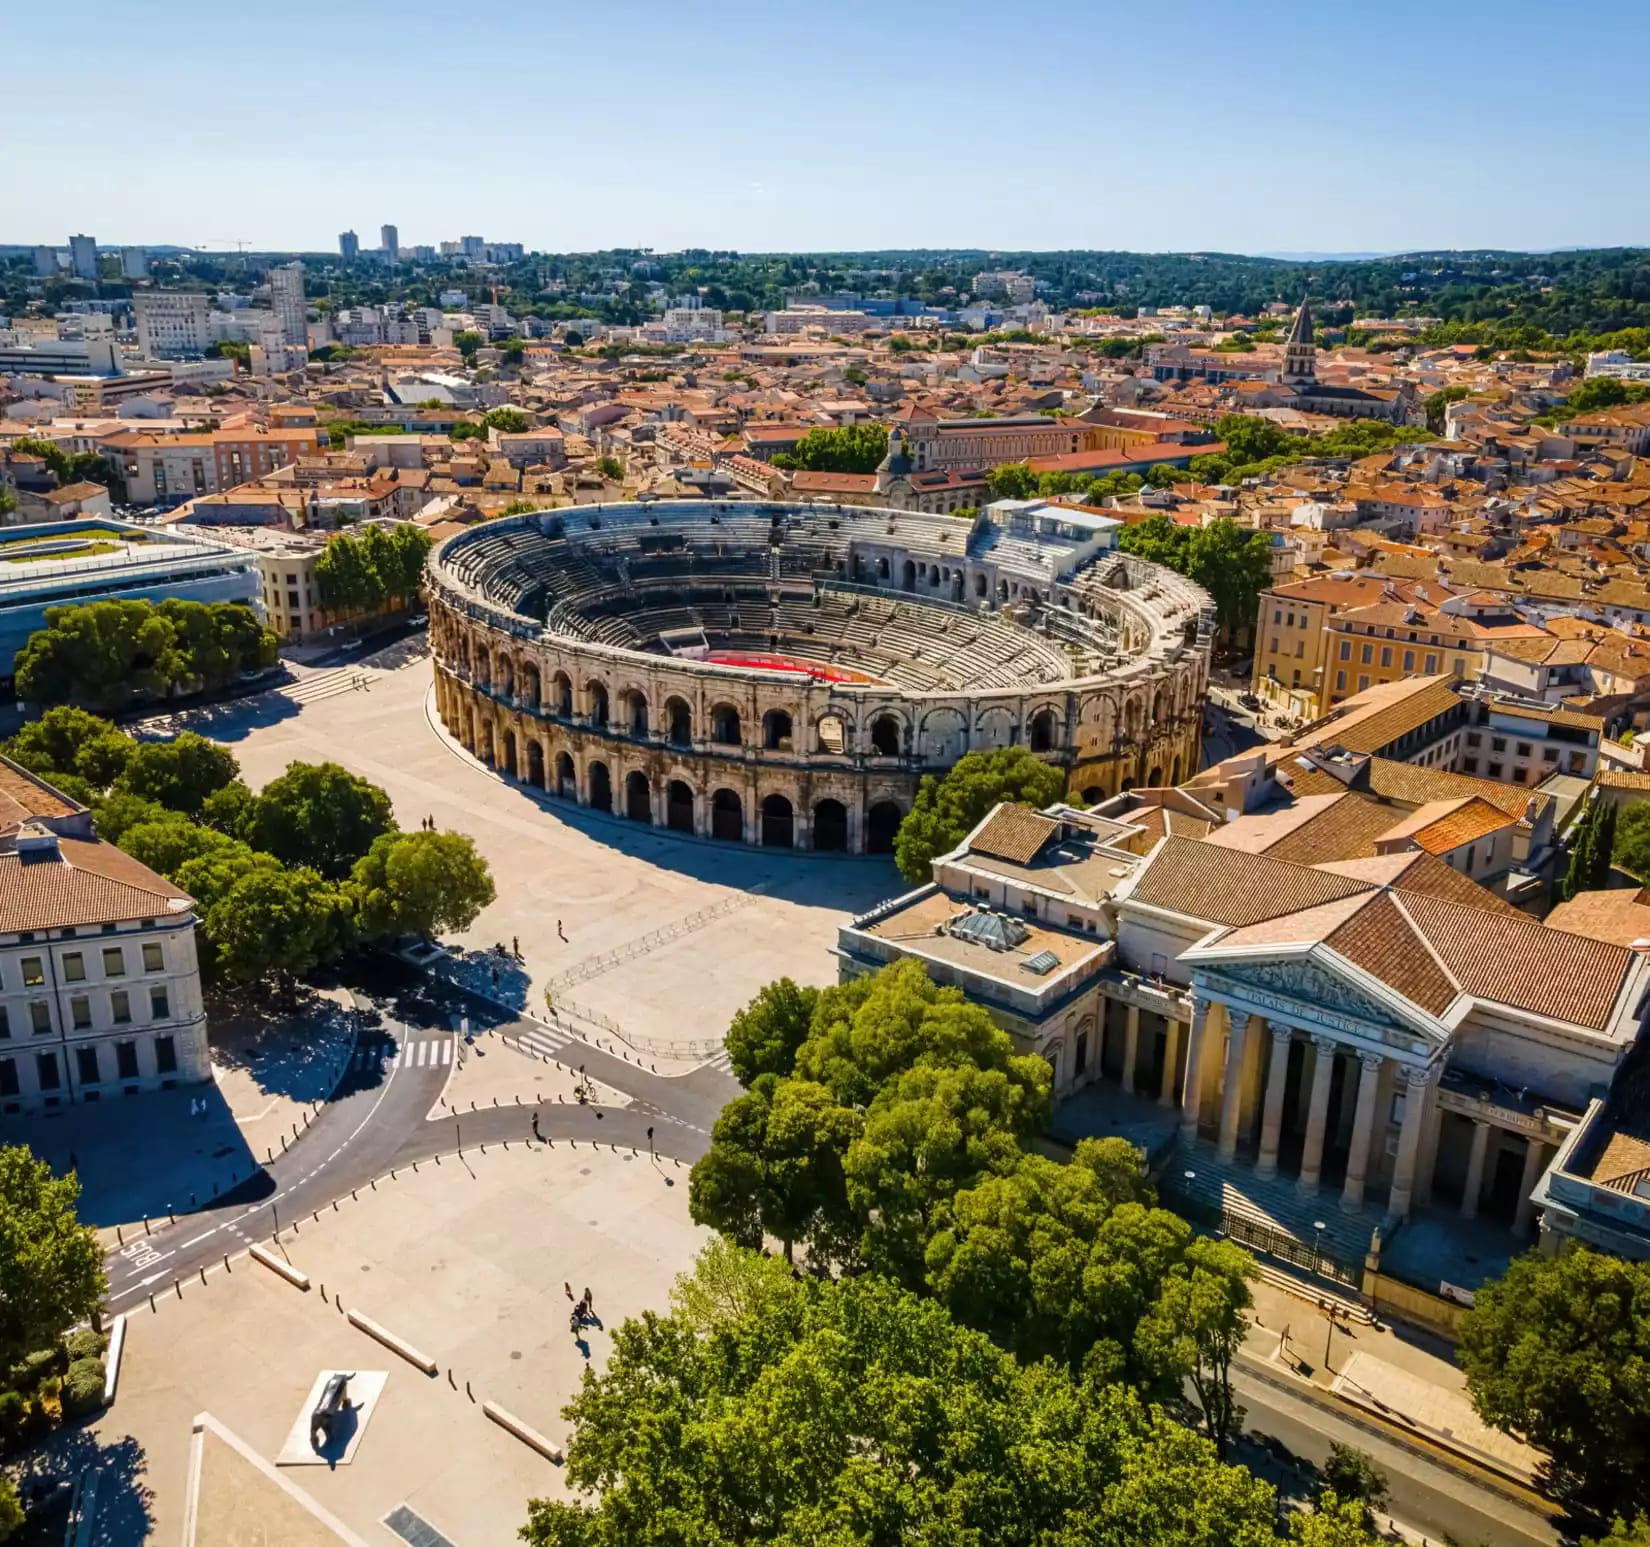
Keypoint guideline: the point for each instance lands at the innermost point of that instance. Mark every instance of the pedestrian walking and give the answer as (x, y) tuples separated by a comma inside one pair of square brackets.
[(650, 1141), (568, 1287), (515, 946), (589, 1304), (536, 1133)]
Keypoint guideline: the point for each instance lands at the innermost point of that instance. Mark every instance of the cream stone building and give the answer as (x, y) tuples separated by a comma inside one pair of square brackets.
[(784, 674), (100, 992)]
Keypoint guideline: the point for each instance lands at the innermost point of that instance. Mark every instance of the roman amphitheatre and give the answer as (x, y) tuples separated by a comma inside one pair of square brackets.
[(784, 675)]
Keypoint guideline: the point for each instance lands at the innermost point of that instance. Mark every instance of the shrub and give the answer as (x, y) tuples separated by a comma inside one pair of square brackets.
[(83, 1390), (33, 1368), (86, 1344), (13, 1410)]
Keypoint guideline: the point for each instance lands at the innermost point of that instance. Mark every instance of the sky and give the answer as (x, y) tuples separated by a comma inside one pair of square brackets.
[(769, 125)]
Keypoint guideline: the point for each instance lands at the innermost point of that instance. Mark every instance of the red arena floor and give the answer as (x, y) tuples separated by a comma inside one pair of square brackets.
[(815, 669)]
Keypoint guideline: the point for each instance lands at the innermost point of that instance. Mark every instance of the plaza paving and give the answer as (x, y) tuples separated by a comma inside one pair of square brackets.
[(466, 1260), (609, 884)]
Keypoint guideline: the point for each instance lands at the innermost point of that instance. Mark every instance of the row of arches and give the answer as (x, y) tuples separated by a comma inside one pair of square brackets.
[(773, 822)]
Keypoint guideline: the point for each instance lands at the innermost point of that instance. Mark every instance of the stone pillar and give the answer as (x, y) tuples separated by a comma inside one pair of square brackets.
[(1535, 1162), (1363, 1125), (1191, 1093), (1317, 1113), (1171, 1056), (1231, 1090), (1475, 1169), (1271, 1121), (1409, 1141), (1131, 1046)]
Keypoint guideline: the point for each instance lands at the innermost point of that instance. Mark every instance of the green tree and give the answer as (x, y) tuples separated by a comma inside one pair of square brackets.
[(1438, 401), (1557, 1351), (119, 811), (1349, 1476), (508, 421), (774, 1168), (420, 883), (57, 742), (1198, 1325), (1234, 565), (320, 815), (275, 923), (179, 774), (855, 448), (765, 1035), (1631, 845), (51, 1267), (466, 341), (852, 1412), (1623, 1535), (1250, 438), (1602, 392), (1012, 481), (611, 468), (168, 845), (1604, 845), (948, 808), (11, 1510)]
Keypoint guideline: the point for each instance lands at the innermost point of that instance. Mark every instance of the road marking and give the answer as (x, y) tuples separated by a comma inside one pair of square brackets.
[(256, 1208), (198, 1239)]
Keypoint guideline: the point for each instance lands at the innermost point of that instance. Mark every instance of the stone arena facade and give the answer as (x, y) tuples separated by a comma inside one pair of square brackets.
[(784, 675)]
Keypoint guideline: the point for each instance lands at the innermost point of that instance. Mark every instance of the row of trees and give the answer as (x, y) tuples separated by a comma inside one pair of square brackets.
[(71, 467), (371, 572), (108, 654), (883, 1132), (284, 879), (1592, 849), (1256, 446), (1016, 481)]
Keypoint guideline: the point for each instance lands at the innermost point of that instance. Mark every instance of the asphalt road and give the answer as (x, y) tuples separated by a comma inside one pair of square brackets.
[(1431, 1492), (378, 1122)]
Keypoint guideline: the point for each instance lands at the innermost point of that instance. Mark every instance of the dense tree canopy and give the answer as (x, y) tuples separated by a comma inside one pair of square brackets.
[(948, 808), (420, 884), (1630, 842), (856, 448), (1557, 1351), (1232, 563), (765, 1035), (316, 814), (377, 569), (765, 1409), (51, 1266), (106, 654)]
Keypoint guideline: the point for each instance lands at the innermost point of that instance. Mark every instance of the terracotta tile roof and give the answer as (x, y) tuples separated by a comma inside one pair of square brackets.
[(1014, 833), (1443, 825), (1374, 719), (1226, 886), (1381, 940), (1618, 916), (1347, 830), (22, 796), (1623, 779), (1414, 870), (84, 882), (1519, 962), (1409, 784)]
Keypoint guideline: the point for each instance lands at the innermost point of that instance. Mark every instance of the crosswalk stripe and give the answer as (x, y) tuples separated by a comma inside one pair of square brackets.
[(446, 1053)]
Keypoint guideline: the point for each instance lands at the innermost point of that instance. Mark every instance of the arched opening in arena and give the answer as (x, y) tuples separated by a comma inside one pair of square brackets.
[(778, 823), (505, 677), (881, 824), (885, 736), (638, 798), (1042, 731), (529, 685), (832, 734), (561, 695), (509, 759), (909, 578), (1154, 780), (679, 807), (635, 713), (484, 744), (596, 698), (831, 827), (776, 731), (601, 788), (567, 779), (680, 716), (724, 725), (727, 817), (535, 764), (1093, 795)]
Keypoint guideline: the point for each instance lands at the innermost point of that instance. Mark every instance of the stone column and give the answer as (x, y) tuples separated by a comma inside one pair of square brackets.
[(1131, 1046), (1363, 1125), (1271, 1120), (1231, 1090), (1191, 1093), (1535, 1162), (1171, 1055), (1409, 1141), (1317, 1113), (1475, 1169)]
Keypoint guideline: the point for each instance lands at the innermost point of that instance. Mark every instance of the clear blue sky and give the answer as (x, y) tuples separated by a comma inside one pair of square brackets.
[(1242, 125)]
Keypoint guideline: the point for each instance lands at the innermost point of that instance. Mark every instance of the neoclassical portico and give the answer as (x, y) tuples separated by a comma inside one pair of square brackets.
[(1294, 1063)]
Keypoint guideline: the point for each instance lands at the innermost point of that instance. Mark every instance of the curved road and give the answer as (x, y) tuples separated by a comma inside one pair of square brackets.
[(377, 1121)]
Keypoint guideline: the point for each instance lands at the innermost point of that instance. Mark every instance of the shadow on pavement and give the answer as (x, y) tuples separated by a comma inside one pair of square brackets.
[(124, 1514), (285, 1050)]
